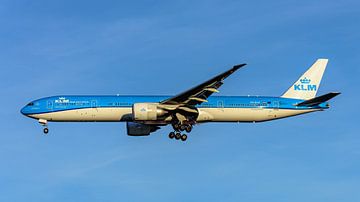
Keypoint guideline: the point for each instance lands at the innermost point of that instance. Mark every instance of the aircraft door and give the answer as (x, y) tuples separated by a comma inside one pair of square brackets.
[(50, 104), (273, 113), (276, 105), (220, 105), (94, 111), (93, 103)]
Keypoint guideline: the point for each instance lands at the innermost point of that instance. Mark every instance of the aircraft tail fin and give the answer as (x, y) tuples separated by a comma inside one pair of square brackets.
[(307, 85), (318, 100)]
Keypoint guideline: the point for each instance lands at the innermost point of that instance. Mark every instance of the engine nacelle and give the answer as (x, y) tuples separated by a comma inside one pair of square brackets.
[(139, 129), (147, 111)]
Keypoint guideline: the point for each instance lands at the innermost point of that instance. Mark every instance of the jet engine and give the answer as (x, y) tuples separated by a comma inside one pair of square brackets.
[(139, 129), (147, 112)]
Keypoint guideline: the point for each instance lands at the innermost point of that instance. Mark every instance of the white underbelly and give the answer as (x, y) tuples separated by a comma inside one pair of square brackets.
[(246, 114), (112, 114), (89, 114)]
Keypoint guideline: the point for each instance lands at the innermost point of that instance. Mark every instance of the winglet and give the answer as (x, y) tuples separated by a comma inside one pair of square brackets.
[(236, 67)]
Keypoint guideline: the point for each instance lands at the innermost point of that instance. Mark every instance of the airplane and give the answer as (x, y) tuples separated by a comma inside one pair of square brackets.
[(146, 114)]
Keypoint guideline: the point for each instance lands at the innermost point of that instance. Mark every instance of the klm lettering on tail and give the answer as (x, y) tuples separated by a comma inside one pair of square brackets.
[(308, 84), (305, 85)]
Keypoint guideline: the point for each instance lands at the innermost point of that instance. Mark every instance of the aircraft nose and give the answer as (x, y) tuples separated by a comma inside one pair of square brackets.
[(23, 110)]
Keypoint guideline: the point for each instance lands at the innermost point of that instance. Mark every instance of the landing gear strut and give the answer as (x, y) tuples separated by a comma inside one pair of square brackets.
[(43, 122)]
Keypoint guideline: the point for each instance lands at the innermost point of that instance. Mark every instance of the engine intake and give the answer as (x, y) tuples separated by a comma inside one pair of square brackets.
[(147, 112)]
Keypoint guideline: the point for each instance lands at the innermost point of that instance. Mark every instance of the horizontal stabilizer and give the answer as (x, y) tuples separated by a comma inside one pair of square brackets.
[(318, 100)]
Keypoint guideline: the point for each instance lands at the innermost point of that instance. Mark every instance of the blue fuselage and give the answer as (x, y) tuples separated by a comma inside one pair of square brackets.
[(64, 103)]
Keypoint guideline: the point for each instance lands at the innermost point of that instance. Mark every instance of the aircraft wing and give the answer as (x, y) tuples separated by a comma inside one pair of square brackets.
[(200, 93)]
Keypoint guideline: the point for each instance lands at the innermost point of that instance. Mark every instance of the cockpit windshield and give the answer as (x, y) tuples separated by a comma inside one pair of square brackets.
[(30, 104)]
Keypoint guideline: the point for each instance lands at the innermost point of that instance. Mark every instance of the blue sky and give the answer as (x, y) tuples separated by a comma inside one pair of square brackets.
[(164, 47)]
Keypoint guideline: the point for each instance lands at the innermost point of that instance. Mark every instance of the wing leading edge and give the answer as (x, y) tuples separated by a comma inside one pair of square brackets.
[(200, 93)]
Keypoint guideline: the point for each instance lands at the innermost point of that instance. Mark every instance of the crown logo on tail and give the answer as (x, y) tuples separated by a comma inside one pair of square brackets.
[(305, 80)]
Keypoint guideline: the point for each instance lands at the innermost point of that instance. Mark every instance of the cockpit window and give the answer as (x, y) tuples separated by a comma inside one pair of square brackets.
[(31, 104)]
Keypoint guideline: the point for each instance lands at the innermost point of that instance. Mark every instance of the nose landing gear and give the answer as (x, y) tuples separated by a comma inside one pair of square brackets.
[(43, 122)]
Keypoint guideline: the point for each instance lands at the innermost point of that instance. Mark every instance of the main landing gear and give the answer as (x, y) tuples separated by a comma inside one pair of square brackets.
[(177, 136), (178, 129)]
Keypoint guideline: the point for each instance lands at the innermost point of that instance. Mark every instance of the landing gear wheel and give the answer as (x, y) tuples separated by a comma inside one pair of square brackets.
[(171, 135), (184, 137), (176, 126), (188, 128), (182, 127), (177, 136), (46, 130)]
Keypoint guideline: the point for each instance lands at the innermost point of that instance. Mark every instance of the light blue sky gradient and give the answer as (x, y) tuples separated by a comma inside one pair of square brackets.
[(164, 47)]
